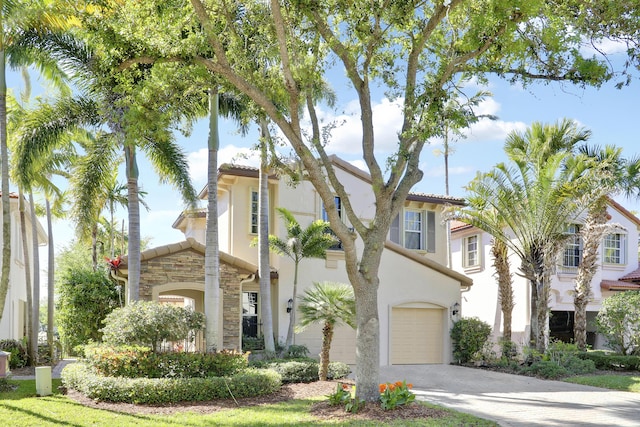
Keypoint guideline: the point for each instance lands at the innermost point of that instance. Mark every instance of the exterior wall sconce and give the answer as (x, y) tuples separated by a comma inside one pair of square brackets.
[(455, 309), (289, 305)]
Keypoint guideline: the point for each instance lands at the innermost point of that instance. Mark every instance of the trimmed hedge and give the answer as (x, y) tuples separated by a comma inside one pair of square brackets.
[(141, 362), (606, 361), (248, 383), (306, 370)]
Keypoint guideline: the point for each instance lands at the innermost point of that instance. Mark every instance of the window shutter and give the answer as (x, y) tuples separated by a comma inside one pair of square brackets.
[(431, 231), (394, 230)]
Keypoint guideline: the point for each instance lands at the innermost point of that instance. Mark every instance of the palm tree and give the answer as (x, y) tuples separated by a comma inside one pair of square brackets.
[(264, 271), (619, 175), (228, 106), (98, 103), (15, 18), (535, 196), (331, 304), (311, 242), (504, 277)]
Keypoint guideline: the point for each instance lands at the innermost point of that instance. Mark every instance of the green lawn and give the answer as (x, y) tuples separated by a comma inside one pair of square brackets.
[(22, 408), (613, 382)]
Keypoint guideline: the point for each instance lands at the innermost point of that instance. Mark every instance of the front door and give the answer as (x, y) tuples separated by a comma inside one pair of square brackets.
[(250, 314)]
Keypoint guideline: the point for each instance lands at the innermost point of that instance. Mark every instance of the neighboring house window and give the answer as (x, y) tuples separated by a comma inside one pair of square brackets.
[(250, 314), (471, 251), (615, 249), (325, 217), (338, 202), (417, 230), (254, 212), (573, 248)]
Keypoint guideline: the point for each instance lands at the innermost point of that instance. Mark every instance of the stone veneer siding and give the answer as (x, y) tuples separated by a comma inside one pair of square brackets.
[(188, 266)]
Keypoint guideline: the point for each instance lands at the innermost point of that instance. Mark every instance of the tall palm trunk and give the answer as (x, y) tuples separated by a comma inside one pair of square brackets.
[(292, 314), (212, 249), (593, 230), (264, 270), (35, 312), (32, 348), (503, 274), (4, 163), (133, 259), (50, 279)]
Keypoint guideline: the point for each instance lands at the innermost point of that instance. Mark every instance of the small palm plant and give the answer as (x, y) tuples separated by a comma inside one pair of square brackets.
[(300, 243), (331, 304)]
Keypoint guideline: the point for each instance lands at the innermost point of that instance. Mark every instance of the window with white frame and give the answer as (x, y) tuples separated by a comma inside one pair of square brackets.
[(573, 248), (416, 231), (254, 212), (472, 251), (615, 249)]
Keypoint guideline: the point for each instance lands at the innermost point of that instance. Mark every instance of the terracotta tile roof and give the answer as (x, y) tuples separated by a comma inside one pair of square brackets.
[(631, 277), (459, 225), (617, 285), (436, 198)]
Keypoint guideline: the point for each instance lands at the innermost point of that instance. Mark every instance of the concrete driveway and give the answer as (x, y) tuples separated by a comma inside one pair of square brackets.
[(514, 400)]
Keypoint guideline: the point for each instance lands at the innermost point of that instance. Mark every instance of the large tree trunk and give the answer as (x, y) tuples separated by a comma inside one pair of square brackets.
[(35, 313), (4, 162), (504, 277), (363, 275), (50, 280), (593, 230), (327, 337), (212, 253), (32, 341), (264, 271), (133, 258)]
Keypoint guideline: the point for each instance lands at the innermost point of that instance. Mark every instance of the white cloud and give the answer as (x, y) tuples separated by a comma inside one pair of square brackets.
[(346, 137), (604, 46)]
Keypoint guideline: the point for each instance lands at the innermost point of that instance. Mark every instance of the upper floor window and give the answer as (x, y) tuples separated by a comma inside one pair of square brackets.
[(254, 212), (573, 248), (416, 231), (471, 251), (325, 217), (338, 202), (615, 249)]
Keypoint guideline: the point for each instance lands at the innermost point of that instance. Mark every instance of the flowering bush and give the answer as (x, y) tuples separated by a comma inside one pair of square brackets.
[(396, 394), (392, 395), (341, 395)]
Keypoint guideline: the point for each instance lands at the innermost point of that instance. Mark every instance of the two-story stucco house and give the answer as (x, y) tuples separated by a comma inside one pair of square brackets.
[(14, 316), (417, 291), (617, 271)]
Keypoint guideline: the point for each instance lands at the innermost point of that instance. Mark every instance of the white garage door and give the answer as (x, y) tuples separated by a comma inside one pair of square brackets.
[(416, 335)]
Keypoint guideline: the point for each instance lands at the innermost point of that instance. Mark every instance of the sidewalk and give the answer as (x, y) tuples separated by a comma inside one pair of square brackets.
[(55, 371)]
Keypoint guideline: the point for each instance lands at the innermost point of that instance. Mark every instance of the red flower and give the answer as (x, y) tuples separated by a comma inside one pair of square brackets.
[(114, 263)]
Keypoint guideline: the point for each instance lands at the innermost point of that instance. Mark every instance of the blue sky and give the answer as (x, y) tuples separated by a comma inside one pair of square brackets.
[(610, 114)]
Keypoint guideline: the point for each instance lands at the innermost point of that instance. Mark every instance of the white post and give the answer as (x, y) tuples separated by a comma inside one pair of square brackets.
[(43, 380)]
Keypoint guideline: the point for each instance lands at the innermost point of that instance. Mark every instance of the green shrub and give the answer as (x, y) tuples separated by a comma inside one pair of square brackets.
[(248, 383), (607, 361), (148, 323), (619, 322), (252, 343), (296, 372), (469, 337), (141, 362), (546, 369), (303, 370), (577, 366), (19, 357), (296, 351), (338, 370), (83, 299), (508, 349)]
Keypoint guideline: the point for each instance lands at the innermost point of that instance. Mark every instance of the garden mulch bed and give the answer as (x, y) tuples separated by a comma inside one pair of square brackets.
[(321, 410)]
